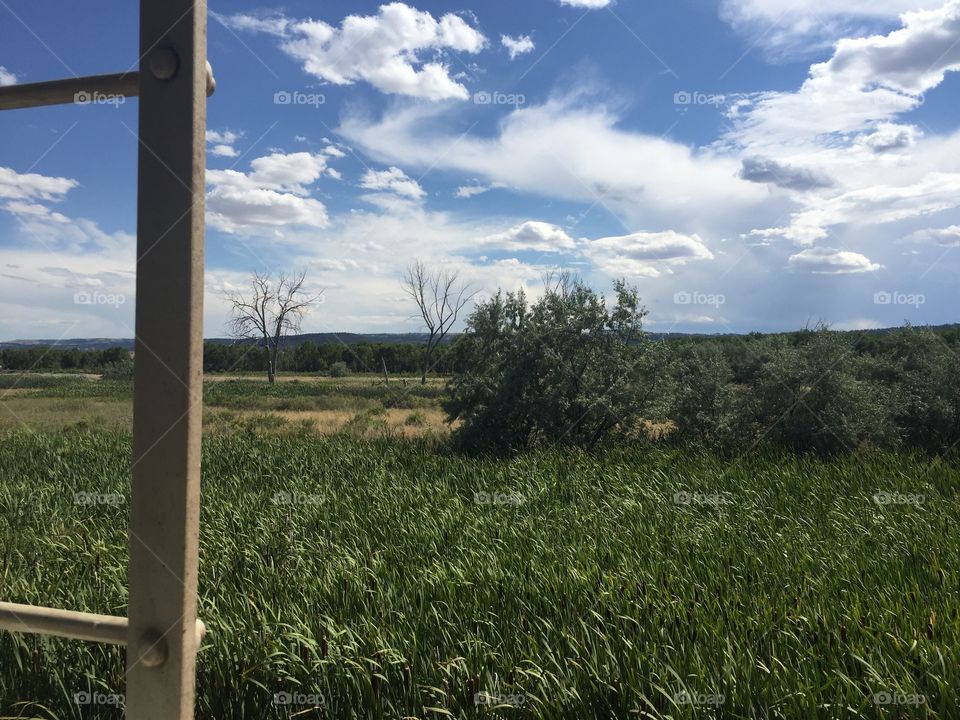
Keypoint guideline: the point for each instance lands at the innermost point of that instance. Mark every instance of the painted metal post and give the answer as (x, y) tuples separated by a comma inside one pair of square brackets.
[(164, 513)]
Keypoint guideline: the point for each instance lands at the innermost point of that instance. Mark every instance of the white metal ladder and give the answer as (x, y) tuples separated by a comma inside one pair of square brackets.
[(162, 632)]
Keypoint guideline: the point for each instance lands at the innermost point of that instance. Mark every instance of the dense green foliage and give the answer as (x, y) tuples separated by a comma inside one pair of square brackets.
[(396, 579), (310, 357), (570, 370), (565, 369), (820, 392), (73, 386), (53, 358), (38, 381)]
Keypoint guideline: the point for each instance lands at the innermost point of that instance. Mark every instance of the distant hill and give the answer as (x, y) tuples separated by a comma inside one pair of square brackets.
[(79, 344), (292, 341), (354, 338)]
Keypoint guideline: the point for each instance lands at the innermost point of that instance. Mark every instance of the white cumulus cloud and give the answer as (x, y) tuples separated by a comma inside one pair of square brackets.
[(645, 254), (829, 261), (31, 186), (517, 46), (866, 81), (590, 4), (532, 235), (871, 205), (395, 50), (944, 237), (393, 180), (222, 142), (272, 195)]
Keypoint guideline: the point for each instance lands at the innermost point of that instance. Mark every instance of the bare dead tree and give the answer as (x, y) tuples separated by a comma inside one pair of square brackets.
[(272, 310), (440, 296), (559, 282)]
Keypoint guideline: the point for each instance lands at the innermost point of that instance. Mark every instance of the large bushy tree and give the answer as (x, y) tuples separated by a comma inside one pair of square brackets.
[(565, 369)]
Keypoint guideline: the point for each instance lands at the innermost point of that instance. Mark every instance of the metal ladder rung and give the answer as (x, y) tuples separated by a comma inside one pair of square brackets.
[(110, 629), (81, 91)]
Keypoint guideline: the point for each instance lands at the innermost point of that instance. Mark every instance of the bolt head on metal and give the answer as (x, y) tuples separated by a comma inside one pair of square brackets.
[(164, 63), (153, 649)]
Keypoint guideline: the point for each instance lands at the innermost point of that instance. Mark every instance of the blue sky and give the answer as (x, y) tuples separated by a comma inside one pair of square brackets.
[(749, 164)]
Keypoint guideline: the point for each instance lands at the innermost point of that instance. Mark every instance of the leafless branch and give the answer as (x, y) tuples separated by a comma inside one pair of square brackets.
[(440, 296), (271, 311)]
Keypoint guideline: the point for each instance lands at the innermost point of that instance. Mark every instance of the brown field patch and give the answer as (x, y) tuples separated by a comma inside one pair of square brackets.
[(396, 421)]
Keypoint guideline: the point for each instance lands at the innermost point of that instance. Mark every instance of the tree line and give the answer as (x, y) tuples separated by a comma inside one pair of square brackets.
[(331, 357), (307, 357), (574, 369), (68, 359)]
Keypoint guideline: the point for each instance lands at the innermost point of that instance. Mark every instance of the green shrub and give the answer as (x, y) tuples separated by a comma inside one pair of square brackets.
[(707, 405), (817, 396), (925, 375), (120, 370), (339, 369), (565, 370)]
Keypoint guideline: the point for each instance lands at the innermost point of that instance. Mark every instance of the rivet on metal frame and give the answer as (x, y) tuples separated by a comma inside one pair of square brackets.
[(164, 63), (153, 649)]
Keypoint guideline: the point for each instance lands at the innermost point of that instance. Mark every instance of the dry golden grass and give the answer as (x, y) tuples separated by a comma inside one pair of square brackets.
[(57, 413), (395, 421), (658, 431)]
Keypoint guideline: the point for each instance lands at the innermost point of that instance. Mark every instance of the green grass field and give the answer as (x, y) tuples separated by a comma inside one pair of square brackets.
[(389, 577)]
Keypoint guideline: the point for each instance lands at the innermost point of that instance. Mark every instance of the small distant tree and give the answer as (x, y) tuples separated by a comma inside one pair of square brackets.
[(339, 369), (271, 310), (440, 296)]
